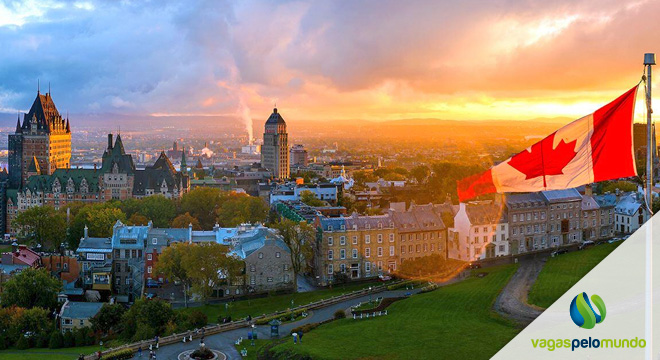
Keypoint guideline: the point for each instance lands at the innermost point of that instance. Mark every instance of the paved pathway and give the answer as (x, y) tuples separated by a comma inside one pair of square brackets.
[(512, 301), (225, 341)]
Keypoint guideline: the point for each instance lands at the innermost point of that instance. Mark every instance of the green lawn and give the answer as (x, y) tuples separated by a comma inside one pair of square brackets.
[(453, 322), (270, 304), (40, 354), (561, 272)]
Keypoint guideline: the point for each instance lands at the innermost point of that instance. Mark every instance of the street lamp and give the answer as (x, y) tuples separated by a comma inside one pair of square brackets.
[(101, 345)]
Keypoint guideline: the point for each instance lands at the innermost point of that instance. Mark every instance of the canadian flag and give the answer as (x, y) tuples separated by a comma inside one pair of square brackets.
[(594, 148)]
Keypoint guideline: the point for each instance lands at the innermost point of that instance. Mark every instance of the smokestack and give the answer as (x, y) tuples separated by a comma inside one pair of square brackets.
[(109, 142)]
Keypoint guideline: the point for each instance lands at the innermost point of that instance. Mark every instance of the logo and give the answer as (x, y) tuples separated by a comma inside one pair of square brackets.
[(583, 313)]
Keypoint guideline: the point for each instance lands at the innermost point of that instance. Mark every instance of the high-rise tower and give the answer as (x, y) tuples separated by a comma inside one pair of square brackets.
[(275, 150), (44, 137)]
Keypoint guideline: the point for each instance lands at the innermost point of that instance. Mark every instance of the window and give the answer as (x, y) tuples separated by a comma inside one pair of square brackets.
[(154, 241), (380, 238), (342, 240), (261, 255), (515, 217), (367, 239), (391, 250), (354, 240), (432, 244), (426, 247), (253, 280), (330, 242), (342, 254), (286, 267), (342, 268), (330, 269), (148, 269), (391, 237), (418, 248), (330, 254), (278, 254), (403, 249), (367, 252), (355, 254), (149, 257), (269, 279), (380, 251), (367, 266)]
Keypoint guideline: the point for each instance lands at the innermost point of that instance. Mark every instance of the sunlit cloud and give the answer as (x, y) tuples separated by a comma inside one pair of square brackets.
[(318, 60)]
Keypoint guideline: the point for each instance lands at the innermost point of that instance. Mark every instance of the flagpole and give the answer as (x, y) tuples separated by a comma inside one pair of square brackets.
[(649, 60)]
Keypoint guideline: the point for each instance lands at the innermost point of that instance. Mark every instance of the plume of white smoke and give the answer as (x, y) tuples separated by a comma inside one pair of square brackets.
[(207, 152), (244, 113)]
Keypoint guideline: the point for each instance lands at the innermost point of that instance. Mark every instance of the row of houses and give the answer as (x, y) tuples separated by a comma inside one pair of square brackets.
[(366, 246), (124, 264), (521, 223)]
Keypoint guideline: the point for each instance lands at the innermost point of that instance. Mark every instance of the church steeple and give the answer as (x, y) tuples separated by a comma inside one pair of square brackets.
[(183, 160)]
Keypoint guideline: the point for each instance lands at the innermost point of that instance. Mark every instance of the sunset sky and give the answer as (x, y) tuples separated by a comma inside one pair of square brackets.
[(325, 60)]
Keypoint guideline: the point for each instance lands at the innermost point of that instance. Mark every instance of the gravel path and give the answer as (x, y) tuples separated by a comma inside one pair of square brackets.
[(512, 301)]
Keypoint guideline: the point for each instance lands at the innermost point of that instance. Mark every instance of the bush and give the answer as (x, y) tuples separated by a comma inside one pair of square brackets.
[(202, 353), (42, 340), (80, 338), (22, 343), (282, 317), (340, 314), (143, 332), (305, 328), (197, 319), (119, 355), (428, 288), (56, 340), (68, 340), (3, 343)]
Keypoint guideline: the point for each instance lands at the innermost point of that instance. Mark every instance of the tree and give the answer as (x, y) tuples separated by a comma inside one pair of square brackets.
[(420, 173), (300, 238), (206, 265), (31, 288), (137, 219), (236, 209), (42, 225), (108, 318), (182, 221), (101, 218), (68, 340), (147, 318), (202, 203), (159, 209), (171, 265), (309, 198)]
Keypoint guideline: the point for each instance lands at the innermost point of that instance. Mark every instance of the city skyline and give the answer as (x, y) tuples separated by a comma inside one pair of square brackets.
[(323, 61)]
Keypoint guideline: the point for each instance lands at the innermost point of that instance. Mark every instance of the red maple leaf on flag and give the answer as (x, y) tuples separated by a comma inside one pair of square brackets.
[(542, 159)]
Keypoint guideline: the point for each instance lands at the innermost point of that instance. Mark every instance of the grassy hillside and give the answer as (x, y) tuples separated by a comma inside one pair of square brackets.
[(563, 271), (455, 322)]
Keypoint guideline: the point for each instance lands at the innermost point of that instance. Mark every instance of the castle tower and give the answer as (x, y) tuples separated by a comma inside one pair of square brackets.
[(44, 136), (275, 150)]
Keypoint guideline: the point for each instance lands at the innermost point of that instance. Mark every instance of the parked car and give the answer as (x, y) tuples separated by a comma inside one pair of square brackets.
[(475, 265), (384, 278), (151, 296), (558, 252), (153, 284), (613, 240), (586, 244)]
